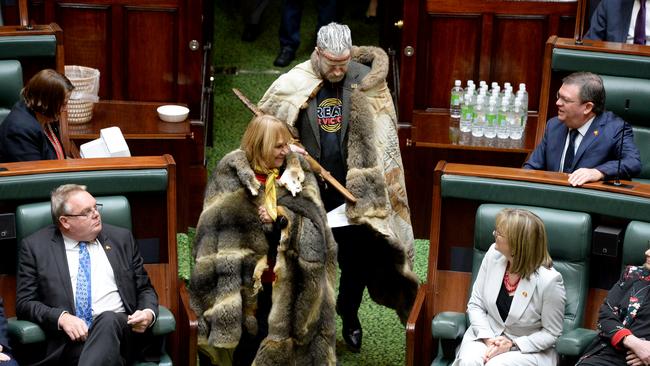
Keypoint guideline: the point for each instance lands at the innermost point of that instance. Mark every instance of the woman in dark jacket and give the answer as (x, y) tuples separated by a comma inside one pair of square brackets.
[(624, 321), (30, 131), (6, 359)]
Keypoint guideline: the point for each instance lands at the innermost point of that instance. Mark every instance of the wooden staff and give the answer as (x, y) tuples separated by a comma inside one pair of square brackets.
[(315, 166)]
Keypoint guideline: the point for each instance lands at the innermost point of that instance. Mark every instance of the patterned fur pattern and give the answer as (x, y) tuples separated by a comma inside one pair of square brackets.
[(230, 250)]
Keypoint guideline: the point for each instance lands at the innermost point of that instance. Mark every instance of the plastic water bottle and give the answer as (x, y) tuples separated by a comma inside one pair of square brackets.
[(478, 123), (517, 123), (502, 118), (491, 119), (466, 113), (524, 96), (456, 96)]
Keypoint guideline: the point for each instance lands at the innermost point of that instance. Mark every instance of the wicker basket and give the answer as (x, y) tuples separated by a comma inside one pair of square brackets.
[(86, 88)]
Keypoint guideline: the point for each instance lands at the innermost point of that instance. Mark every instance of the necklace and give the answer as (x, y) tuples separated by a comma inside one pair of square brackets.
[(510, 287)]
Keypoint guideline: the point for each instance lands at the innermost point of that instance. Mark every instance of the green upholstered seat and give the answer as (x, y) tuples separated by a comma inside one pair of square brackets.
[(34, 216), (42, 45), (635, 243), (11, 82), (569, 243)]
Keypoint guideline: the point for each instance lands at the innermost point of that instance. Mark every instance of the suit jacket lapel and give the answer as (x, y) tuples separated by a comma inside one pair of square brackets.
[(625, 16), (563, 132), (588, 139), (58, 253), (522, 297)]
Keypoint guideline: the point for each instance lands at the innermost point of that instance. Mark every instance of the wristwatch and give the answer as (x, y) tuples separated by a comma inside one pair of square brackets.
[(514, 347)]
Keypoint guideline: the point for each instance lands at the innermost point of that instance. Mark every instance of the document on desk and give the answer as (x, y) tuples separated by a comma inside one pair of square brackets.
[(337, 218)]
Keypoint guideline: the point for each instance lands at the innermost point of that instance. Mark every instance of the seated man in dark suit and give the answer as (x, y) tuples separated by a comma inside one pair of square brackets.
[(584, 139), (619, 21), (5, 355), (85, 284)]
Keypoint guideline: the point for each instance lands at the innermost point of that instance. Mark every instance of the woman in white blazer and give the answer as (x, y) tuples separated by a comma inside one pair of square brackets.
[(516, 309)]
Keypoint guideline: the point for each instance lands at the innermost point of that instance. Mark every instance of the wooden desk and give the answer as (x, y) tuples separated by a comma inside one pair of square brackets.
[(436, 137), (146, 134)]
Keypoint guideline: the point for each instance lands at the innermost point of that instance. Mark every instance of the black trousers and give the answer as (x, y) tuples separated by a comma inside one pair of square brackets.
[(112, 342), (354, 243)]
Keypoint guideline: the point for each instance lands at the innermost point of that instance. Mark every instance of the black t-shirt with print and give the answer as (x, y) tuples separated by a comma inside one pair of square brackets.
[(329, 116)]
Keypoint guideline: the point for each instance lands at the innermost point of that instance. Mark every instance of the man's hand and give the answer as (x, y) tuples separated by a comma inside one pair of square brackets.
[(584, 175), (4, 357), (74, 327), (298, 149), (640, 350), (140, 320)]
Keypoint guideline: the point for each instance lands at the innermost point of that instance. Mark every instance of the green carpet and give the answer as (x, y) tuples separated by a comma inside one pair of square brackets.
[(249, 67)]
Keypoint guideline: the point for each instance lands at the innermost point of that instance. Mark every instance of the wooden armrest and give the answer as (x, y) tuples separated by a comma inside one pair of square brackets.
[(188, 328), (417, 331)]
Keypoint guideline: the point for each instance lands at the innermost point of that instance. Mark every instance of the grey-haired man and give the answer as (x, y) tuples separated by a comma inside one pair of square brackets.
[(343, 113)]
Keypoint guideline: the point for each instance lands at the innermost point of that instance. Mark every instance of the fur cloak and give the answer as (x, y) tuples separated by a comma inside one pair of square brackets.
[(375, 173), (230, 251)]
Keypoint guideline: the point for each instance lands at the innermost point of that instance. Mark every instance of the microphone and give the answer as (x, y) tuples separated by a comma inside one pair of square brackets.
[(617, 181)]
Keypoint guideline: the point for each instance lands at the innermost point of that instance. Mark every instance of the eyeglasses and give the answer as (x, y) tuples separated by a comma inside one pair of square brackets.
[(566, 101), (496, 233), (88, 213)]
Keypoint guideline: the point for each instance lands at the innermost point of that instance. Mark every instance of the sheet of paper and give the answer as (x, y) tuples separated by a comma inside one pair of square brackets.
[(337, 218)]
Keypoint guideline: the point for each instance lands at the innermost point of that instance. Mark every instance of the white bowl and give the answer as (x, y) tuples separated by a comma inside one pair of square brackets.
[(173, 113)]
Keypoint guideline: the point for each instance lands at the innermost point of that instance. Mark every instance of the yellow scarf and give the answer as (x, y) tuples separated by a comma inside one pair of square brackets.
[(270, 198)]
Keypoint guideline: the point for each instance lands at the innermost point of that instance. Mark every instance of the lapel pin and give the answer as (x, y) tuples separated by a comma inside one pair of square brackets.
[(524, 293), (354, 86), (596, 133), (107, 247)]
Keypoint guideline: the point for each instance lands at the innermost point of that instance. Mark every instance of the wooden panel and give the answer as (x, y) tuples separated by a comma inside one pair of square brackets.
[(476, 40), (87, 27), (452, 282), (453, 53), (512, 61), (144, 59), (595, 298)]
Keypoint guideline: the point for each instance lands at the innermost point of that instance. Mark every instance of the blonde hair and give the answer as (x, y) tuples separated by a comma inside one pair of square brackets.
[(260, 137), (526, 236)]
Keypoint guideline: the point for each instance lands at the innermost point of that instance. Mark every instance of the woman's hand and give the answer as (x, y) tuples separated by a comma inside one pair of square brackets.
[(640, 350), (298, 149), (498, 346), (4, 357), (264, 216)]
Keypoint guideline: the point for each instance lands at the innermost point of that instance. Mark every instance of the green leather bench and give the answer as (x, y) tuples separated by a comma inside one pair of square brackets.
[(569, 243), (546, 195), (11, 82), (635, 243), (99, 182), (627, 85), (34, 216)]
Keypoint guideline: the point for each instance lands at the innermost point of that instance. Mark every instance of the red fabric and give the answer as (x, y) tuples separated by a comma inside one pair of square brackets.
[(268, 276), (261, 178), (618, 337)]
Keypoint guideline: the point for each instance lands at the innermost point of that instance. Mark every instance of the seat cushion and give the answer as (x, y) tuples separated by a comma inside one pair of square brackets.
[(11, 81), (635, 243)]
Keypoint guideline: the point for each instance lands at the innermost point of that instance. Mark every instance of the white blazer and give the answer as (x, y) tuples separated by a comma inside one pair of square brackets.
[(536, 315)]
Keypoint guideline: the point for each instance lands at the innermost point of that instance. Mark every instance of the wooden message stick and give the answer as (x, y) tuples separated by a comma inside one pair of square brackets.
[(315, 166)]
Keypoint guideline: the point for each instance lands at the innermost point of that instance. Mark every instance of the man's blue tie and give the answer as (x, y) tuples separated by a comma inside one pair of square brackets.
[(83, 300)]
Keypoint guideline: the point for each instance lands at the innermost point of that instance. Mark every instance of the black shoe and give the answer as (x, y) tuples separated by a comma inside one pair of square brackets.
[(287, 54), (352, 338), (251, 32)]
